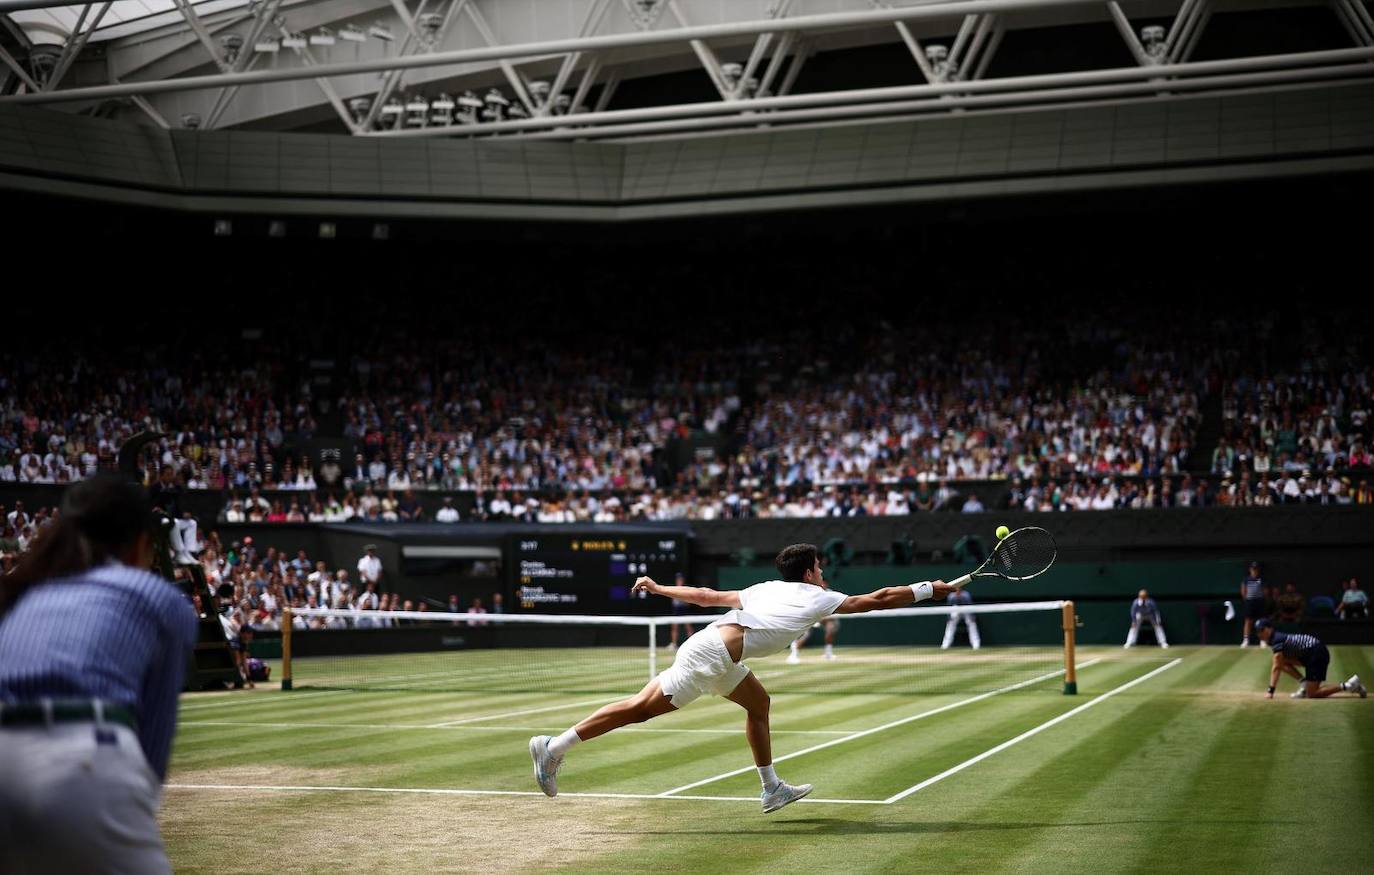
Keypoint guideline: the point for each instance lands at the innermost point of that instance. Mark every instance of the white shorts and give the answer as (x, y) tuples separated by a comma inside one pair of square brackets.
[(702, 666)]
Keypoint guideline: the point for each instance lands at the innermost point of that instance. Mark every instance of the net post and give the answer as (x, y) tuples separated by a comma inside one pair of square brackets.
[(1070, 670), (286, 627), (653, 648)]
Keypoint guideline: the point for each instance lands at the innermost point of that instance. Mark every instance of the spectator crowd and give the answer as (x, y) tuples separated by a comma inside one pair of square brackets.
[(878, 419)]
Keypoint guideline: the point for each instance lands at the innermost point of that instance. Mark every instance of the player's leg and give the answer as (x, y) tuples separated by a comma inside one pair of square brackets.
[(753, 698), (794, 649), (831, 629), (672, 637), (1131, 635), (750, 695), (1317, 664), (1249, 624), (648, 703), (973, 638), (548, 752)]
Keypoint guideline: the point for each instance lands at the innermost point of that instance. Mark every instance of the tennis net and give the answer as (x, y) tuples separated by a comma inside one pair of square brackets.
[(883, 652)]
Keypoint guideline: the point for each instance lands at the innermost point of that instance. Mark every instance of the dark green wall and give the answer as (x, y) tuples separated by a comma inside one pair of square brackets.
[(1187, 591)]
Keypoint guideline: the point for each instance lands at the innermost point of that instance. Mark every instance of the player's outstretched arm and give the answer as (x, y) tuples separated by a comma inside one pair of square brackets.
[(1274, 671), (700, 596), (895, 597)]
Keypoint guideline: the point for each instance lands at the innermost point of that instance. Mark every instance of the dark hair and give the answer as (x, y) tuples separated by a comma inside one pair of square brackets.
[(101, 517), (796, 560)]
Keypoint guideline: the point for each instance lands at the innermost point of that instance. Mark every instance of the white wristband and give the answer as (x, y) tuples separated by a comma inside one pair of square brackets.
[(923, 590)]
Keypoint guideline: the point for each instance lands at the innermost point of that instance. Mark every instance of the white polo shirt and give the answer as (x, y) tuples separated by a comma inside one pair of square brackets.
[(776, 612), (369, 568)]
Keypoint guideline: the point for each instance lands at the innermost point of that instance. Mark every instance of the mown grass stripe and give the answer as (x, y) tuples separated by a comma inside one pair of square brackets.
[(889, 725)]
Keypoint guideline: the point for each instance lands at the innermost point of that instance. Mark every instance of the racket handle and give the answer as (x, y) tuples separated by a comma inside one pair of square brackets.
[(960, 582)]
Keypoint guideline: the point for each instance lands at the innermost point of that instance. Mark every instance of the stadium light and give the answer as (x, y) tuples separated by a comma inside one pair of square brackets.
[(328, 231), (232, 44), (381, 32), (429, 25), (322, 37), (358, 107), (417, 112), (266, 46), (352, 33), (945, 69), (43, 59), (276, 228), (190, 121), (1153, 39), (392, 115), (731, 73), (293, 40), (441, 110)]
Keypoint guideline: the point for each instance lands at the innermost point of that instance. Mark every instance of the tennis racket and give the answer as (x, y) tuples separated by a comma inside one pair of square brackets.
[(1021, 555)]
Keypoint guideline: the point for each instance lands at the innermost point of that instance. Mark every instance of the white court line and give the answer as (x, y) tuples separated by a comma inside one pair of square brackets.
[(445, 792), (431, 727), (1027, 734), (565, 705), (861, 734)]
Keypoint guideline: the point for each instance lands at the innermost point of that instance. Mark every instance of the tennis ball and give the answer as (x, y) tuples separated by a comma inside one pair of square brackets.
[(1002, 532)]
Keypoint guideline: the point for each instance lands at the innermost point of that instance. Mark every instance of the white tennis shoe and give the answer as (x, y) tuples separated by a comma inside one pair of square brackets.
[(1300, 694), (783, 794), (1354, 686), (830, 657), (546, 765), (793, 659)]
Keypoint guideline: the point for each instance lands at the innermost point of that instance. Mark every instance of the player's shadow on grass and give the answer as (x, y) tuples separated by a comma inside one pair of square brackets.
[(836, 826)]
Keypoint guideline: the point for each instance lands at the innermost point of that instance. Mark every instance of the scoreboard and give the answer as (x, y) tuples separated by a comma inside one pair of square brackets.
[(593, 573)]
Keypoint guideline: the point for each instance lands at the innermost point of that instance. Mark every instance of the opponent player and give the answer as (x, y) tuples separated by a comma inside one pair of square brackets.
[(1307, 651), (832, 626), (763, 620)]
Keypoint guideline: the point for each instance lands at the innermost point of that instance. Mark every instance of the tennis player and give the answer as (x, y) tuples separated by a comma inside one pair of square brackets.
[(762, 620), (1292, 650)]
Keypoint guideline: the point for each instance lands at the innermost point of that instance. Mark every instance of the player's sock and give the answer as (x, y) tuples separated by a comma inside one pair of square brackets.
[(768, 777), (559, 746), (1345, 686)]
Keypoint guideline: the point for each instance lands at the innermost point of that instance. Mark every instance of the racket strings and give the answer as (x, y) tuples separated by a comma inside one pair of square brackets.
[(1024, 553)]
